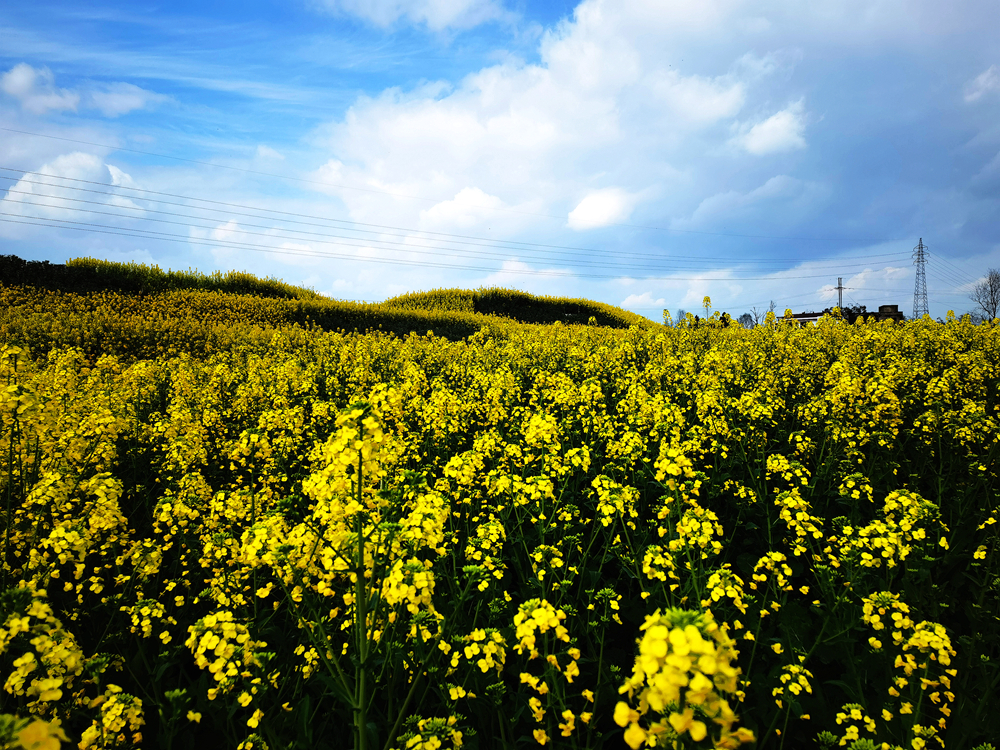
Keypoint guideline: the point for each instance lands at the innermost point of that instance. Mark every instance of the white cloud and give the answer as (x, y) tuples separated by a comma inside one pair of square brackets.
[(142, 256), (266, 152), (120, 178), (35, 89), (698, 99), (601, 208), (987, 82), (877, 278), (42, 194), (515, 273), (228, 232), (437, 15), (781, 131), (117, 99), (608, 103), (468, 208), (644, 303)]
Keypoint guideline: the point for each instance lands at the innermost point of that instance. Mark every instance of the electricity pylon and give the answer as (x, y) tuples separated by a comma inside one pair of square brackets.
[(920, 285)]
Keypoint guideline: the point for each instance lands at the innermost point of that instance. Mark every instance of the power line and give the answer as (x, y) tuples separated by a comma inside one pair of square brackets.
[(949, 270), (810, 294), (958, 269), (437, 200), (325, 237), (955, 270), (166, 236), (382, 245), (410, 246), (336, 240), (947, 278), (409, 231), (268, 210)]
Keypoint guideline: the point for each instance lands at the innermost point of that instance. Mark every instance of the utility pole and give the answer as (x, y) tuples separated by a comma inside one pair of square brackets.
[(840, 293), (920, 283)]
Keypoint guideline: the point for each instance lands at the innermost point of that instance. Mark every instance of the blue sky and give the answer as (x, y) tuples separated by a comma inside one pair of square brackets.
[(640, 153)]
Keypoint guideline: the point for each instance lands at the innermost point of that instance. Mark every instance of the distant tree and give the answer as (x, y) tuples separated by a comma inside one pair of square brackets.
[(758, 315), (746, 320), (851, 312), (986, 294), (680, 316)]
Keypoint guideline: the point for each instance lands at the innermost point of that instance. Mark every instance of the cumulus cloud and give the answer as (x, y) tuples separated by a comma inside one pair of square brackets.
[(781, 131), (644, 303), (605, 104), (436, 15), (35, 89), (699, 99), (42, 194), (601, 208), (987, 82), (468, 208)]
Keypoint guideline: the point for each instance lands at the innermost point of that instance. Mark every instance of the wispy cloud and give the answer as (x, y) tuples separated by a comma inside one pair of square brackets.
[(192, 68), (987, 82), (436, 15), (36, 91), (120, 98)]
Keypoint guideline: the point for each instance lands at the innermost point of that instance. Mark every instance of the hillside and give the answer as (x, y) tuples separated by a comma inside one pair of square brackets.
[(146, 312), (86, 275), (89, 275), (520, 306)]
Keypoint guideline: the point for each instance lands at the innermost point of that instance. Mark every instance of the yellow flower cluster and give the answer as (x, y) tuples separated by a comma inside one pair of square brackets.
[(535, 617), (223, 647), (888, 540), (794, 679), (50, 659), (486, 649), (30, 734), (684, 665), (118, 711), (854, 719), (432, 734)]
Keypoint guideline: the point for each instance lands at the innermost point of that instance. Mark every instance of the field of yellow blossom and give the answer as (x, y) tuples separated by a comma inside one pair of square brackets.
[(223, 528)]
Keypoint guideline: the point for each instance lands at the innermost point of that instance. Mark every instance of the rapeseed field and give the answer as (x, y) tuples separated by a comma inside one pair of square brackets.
[(222, 529)]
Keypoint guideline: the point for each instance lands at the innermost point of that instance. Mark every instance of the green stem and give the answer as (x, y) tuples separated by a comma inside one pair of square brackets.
[(402, 712), (10, 491), (360, 629)]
